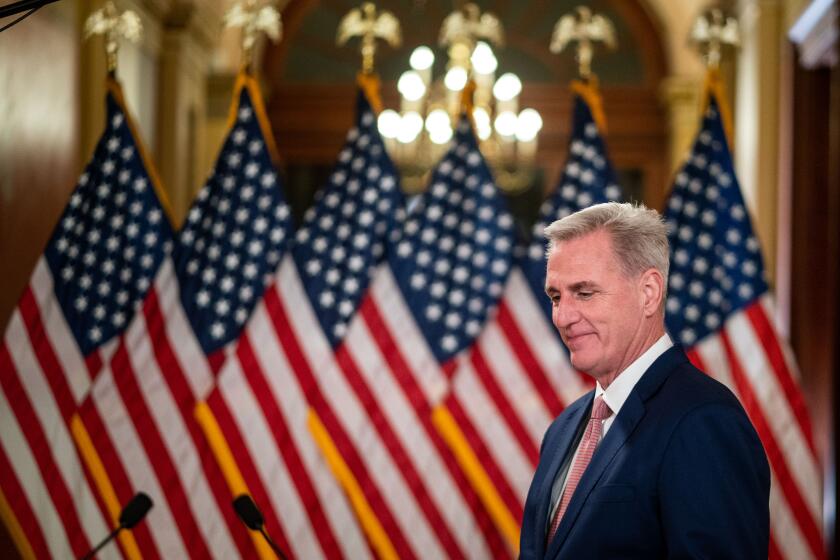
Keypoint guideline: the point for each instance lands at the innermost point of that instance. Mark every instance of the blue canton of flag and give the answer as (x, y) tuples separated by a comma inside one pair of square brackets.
[(716, 264), (454, 253), (234, 236), (111, 238), (343, 235), (587, 179)]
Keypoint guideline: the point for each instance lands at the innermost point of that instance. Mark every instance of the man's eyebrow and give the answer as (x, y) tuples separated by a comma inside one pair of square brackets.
[(583, 285)]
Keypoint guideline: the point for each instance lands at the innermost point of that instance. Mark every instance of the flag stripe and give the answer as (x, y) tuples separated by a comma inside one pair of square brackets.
[(290, 342), (14, 458), (508, 493), (767, 337), (172, 400), (502, 405), (774, 453), (323, 492), (296, 477), (73, 366), (21, 393), (443, 476)]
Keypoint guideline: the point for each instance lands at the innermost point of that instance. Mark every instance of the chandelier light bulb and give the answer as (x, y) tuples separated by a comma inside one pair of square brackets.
[(482, 123), (422, 58), (507, 87), (411, 85), (410, 126), (441, 136), (437, 121), (455, 79), (483, 59), (505, 123), (389, 123), (528, 124)]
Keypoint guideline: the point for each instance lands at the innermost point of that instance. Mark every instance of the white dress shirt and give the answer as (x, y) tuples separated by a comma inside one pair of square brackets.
[(614, 396)]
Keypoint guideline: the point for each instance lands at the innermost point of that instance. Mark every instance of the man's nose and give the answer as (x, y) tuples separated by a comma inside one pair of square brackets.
[(564, 314)]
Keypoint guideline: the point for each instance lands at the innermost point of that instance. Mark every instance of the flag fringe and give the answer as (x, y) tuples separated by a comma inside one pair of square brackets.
[(464, 454), (370, 85), (715, 87), (588, 91), (100, 477), (370, 524), (15, 530), (247, 81), (224, 456)]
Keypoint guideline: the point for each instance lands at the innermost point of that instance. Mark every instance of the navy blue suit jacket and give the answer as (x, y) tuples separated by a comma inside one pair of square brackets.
[(681, 473)]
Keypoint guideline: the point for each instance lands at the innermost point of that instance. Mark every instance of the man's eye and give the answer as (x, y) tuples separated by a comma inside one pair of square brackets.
[(584, 295)]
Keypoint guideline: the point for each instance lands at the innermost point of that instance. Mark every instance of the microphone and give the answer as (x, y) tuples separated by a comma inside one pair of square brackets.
[(132, 514), (251, 516)]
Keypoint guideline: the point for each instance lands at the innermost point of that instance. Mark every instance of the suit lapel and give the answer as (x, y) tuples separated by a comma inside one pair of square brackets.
[(560, 449), (628, 418)]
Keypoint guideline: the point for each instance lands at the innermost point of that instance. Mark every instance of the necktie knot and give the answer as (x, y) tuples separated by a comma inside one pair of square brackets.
[(600, 409)]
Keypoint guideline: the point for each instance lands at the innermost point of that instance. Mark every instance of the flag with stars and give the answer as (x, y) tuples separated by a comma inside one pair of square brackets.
[(719, 306), (91, 279), (445, 268), (140, 414), (285, 374), (517, 377)]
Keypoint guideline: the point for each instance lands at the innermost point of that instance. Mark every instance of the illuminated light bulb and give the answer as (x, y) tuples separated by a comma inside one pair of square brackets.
[(506, 123), (422, 58), (528, 124), (483, 59), (389, 123), (437, 120), (410, 126), (441, 136), (411, 85), (482, 123), (455, 79), (507, 87)]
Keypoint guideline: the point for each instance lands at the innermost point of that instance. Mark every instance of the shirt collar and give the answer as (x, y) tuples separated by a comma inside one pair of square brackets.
[(620, 388)]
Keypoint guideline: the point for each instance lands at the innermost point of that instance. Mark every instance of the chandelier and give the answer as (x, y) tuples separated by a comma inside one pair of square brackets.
[(419, 133)]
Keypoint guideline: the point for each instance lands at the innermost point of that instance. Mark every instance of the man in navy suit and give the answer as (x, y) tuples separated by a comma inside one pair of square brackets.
[(660, 460)]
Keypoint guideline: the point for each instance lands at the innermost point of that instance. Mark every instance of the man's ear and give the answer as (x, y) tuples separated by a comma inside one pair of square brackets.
[(653, 290)]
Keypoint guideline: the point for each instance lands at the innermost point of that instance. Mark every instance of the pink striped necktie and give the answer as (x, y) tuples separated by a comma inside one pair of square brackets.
[(591, 437)]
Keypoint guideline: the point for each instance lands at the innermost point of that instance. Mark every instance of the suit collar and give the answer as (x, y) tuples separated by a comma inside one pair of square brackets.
[(625, 422)]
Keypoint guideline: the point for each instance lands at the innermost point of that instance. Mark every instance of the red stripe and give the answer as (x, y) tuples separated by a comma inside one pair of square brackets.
[(233, 438), (772, 349), (806, 522), (288, 340), (89, 416), (403, 374), (21, 508), (503, 406), (530, 365), (773, 552), (500, 482), (93, 362), (39, 445), (276, 420), (156, 451), (42, 347), (182, 394)]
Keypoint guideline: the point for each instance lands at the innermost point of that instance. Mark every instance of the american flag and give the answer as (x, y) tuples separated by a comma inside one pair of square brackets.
[(517, 377), (92, 277), (720, 307), (140, 413), (287, 377)]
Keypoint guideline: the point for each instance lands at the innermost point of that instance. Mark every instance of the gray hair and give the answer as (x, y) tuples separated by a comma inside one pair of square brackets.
[(639, 235)]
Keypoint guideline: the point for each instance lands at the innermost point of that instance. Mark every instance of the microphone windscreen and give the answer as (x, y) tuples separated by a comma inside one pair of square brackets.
[(247, 511), (135, 510)]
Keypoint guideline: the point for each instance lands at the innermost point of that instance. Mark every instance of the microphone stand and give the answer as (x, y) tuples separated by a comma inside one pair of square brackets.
[(105, 541), (272, 544)]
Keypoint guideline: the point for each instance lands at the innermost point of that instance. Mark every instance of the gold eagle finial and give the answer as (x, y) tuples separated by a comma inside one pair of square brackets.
[(366, 23), (587, 28), (113, 26), (713, 30), (254, 19), (463, 27)]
